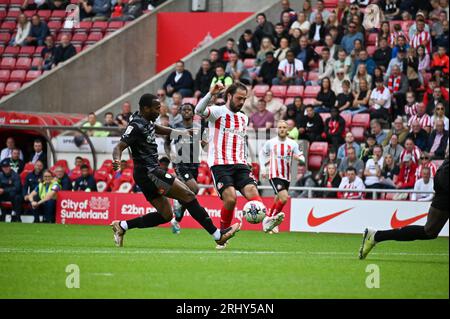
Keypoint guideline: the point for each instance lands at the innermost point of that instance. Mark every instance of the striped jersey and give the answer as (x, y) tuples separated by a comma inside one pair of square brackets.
[(420, 39), (279, 154), (430, 165), (227, 136), (424, 120)]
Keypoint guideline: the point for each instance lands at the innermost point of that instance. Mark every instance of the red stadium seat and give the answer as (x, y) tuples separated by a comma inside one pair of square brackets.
[(32, 75), (318, 49), (319, 148), (114, 25), (57, 15), (79, 38), (361, 120), (12, 87), (8, 63), (249, 63), (308, 101), (29, 13), (313, 76), (7, 26), (37, 52), (278, 90), (295, 90), (18, 76), (54, 26), (5, 37), (12, 15), (314, 162), (84, 27), (130, 164), (358, 133), (4, 75), (11, 51), (36, 61), (107, 164), (23, 63), (63, 163), (289, 101), (102, 174), (58, 38), (311, 91), (99, 26), (348, 119), (44, 14), (27, 51), (260, 90), (94, 37), (325, 116)]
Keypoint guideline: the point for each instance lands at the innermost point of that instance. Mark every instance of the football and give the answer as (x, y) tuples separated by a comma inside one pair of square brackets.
[(254, 212)]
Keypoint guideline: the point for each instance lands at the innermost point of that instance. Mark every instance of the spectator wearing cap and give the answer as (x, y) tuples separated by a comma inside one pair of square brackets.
[(438, 141), (263, 118), (339, 80), (248, 45), (86, 182), (33, 179), (268, 70), (11, 189), (10, 146), (393, 148), (424, 184), (203, 79), (43, 198), (380, 100), (179, 81)]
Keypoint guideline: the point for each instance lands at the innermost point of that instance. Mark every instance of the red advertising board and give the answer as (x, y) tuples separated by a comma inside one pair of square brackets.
[(103, 208), (186, 31)]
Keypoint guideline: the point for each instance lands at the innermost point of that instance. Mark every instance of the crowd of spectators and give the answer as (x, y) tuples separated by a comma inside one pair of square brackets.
[(387, 59)]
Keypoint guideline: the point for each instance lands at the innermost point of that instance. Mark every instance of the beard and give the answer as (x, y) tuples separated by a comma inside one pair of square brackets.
[(235, 108)]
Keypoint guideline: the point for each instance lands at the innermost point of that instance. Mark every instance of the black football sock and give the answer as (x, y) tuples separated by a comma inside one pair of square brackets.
[(146, 221), (179, 216), (200, 215), (408, 233)]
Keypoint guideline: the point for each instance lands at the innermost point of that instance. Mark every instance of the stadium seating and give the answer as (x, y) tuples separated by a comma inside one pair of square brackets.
[(278, 90), (311, 91), (260, 90), (360, 124), (294, 90), (317, 152)]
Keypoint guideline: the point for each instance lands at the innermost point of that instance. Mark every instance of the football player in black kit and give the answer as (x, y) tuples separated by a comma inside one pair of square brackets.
[(187, 149), (436, 220), (156, 184)]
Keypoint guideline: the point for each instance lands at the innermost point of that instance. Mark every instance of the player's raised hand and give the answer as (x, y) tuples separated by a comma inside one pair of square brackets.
[(216, 88), (116, 165)]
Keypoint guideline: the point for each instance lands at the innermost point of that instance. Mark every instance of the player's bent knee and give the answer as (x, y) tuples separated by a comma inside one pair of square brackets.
[(431, 233)]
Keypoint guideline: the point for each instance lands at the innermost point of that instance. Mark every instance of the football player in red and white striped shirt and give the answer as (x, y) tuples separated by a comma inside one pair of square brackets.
[(227, 154), (421, 37), (422, 118), (276, 158)]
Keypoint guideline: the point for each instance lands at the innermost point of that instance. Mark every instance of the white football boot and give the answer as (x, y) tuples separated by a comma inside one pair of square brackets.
[(368, 243)]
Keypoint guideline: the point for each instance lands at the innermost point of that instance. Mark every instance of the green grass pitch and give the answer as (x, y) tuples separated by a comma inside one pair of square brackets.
[(157, 264)]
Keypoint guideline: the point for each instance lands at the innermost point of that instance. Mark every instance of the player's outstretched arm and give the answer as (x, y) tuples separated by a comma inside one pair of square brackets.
[(200, 109), (117, 154)]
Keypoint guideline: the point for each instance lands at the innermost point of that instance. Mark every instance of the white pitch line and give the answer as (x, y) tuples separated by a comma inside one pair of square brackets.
[(6, 250)]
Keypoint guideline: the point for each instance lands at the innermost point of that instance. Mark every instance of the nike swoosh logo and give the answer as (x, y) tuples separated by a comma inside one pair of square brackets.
[(396, 223), (316, 221)]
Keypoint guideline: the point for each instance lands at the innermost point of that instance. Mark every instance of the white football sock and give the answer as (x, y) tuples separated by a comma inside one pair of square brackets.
[(124, 225), (217, 234)]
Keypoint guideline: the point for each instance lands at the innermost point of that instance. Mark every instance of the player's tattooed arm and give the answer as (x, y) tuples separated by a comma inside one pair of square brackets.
[(117, 154)]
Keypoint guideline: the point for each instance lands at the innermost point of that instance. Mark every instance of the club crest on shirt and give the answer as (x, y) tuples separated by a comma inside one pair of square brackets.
[(219, 185), (168, 176), (279, 186)]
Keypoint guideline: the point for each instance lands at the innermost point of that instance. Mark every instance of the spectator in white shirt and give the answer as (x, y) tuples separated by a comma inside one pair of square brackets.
[(7, 151), (275, 106), (425, 184), (373, 168), (326, 65), (439, 114), (351, 181), (380, 100)]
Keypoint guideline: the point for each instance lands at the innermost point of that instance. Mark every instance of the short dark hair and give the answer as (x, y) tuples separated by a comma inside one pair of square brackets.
[(78, 158), (84, 166), (164, 160), (91, 113), (147, 100), (37, 141), (188, 104), (230, 39), (213, 50), (248, 31), (180, 61), (232, 89), (325, 49), (109, 113), (351, 169), (261, 15)]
